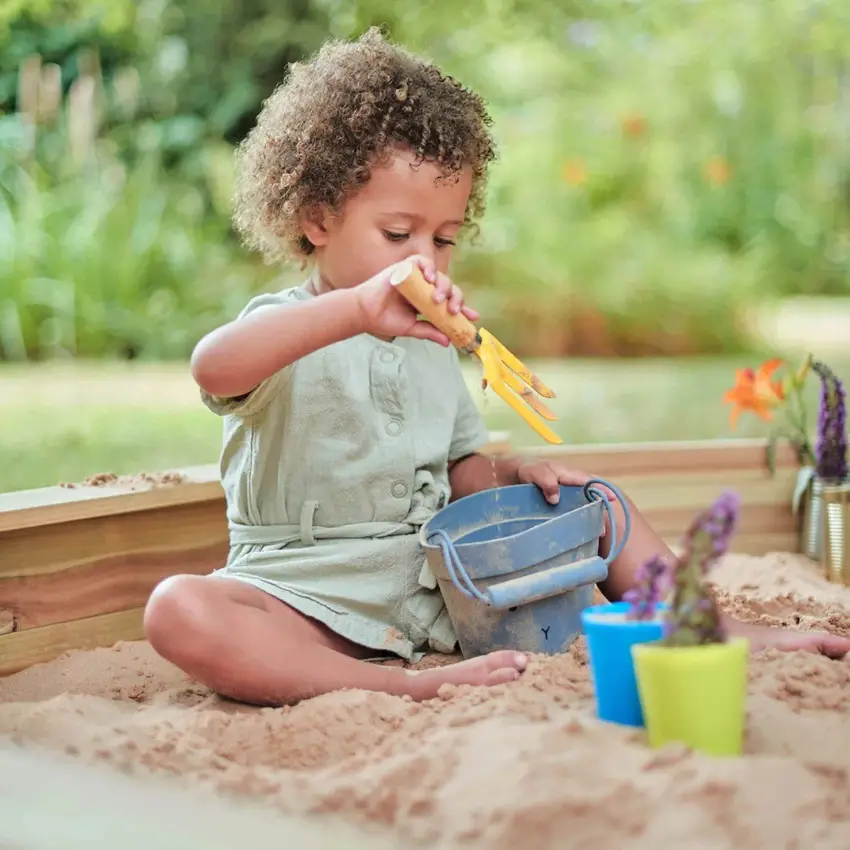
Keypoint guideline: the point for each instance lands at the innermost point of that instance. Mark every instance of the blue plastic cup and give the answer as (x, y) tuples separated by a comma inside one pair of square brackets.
[(610, 639)]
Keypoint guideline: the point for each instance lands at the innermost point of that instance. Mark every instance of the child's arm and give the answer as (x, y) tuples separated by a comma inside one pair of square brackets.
[(477, 472), (234, 359)]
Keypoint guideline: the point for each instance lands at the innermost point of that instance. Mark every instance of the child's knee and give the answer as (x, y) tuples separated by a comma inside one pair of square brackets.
[(176, 613)]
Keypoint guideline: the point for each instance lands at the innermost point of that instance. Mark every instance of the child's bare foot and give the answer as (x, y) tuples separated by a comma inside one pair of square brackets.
[(496, 668)]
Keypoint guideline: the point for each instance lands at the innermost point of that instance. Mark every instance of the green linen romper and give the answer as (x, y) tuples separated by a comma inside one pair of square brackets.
[(331, 466)]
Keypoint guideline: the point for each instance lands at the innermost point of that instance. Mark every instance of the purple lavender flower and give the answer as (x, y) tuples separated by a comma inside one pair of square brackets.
[(831, 447), (719, 524), (693, 618), (652, 582)]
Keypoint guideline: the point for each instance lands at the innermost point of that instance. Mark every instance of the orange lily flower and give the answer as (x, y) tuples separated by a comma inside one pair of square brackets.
[(755, 391)]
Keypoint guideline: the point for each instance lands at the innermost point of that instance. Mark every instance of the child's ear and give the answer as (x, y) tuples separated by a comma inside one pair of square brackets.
[(314, 223)]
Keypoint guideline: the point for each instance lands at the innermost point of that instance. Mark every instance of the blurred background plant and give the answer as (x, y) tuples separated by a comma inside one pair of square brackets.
[(663, 165), (667, 169)]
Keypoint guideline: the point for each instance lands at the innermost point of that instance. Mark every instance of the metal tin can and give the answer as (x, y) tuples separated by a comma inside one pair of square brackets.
[(835, 532)]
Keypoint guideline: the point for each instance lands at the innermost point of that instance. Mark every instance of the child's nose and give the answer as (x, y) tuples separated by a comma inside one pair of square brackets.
[(427, 249)]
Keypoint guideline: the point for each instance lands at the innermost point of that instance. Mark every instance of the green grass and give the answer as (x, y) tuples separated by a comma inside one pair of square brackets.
[(67, 422), (103, 439)]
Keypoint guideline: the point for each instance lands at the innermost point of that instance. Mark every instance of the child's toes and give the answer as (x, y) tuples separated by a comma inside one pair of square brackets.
[(503, 676), (506, 659)]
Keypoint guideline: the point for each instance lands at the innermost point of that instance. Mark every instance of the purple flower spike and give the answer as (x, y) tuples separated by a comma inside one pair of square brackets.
[(719, 523), (693, 618), (651, 585), (831, 447)]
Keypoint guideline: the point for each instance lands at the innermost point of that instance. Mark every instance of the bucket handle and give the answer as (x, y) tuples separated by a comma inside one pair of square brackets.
[(456, 569), (461, 580), (592, 491)]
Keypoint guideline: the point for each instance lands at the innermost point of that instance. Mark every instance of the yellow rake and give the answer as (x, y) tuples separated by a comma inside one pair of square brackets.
[(509, 378)]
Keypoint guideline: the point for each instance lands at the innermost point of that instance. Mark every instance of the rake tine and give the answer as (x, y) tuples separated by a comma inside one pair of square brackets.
[(494, 375), (516, 365), (526, 413), (527, 395), (525, 392)]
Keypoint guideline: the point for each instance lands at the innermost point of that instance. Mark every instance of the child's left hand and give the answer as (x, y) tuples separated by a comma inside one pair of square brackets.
[(549, 476)]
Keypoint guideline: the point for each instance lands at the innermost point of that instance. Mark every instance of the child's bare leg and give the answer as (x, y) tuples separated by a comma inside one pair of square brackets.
[(248, 646), (643, 543)]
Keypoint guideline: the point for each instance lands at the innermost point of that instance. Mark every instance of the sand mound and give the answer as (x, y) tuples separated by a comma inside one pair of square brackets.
[(525, 764)]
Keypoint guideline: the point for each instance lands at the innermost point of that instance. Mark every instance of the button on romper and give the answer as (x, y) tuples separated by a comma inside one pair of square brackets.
[(331, 466)]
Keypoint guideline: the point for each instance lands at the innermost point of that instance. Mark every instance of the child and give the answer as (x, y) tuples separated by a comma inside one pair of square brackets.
[(347, 423)]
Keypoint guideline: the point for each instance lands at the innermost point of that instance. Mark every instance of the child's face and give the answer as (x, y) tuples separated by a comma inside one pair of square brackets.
[(401, 211)]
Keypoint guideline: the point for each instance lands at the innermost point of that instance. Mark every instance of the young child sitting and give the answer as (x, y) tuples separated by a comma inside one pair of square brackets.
[(347, 423)]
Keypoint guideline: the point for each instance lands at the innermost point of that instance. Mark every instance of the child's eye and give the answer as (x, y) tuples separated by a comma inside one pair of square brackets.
[(444, 243), (395, 237)]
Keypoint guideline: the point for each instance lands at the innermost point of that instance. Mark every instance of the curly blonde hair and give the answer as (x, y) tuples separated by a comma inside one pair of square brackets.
[(337, 116)]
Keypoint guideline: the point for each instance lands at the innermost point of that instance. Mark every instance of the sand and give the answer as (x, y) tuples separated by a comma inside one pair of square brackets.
[(137, 481), (525, 764)]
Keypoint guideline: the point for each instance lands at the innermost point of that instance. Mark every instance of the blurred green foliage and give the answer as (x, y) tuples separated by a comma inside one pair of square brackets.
[(664, 165)]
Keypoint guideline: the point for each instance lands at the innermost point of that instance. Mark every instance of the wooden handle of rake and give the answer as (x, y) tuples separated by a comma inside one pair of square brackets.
[(411, 284)]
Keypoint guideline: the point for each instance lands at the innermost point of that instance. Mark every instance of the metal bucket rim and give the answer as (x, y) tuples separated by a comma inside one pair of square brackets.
[(425, 529)]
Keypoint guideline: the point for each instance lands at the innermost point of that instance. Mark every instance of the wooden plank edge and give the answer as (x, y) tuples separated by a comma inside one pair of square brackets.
[(20, 650), (753, 544), (696, 456), (23, 649), (33, 601), (50, 505)]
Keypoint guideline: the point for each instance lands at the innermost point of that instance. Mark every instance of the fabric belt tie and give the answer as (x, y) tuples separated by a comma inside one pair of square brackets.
[(307, 534)]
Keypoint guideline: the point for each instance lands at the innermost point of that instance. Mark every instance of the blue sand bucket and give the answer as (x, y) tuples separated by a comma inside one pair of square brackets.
[(515, 571), (610, 638)]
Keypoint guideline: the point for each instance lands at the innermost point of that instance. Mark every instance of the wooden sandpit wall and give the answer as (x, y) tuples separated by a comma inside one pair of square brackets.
[(78, 564)]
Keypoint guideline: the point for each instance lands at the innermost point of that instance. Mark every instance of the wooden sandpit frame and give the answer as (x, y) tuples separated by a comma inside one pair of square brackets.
[(78, 564)]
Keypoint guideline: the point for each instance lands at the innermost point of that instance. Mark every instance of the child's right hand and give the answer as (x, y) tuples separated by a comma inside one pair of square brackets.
[(386, 313)]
